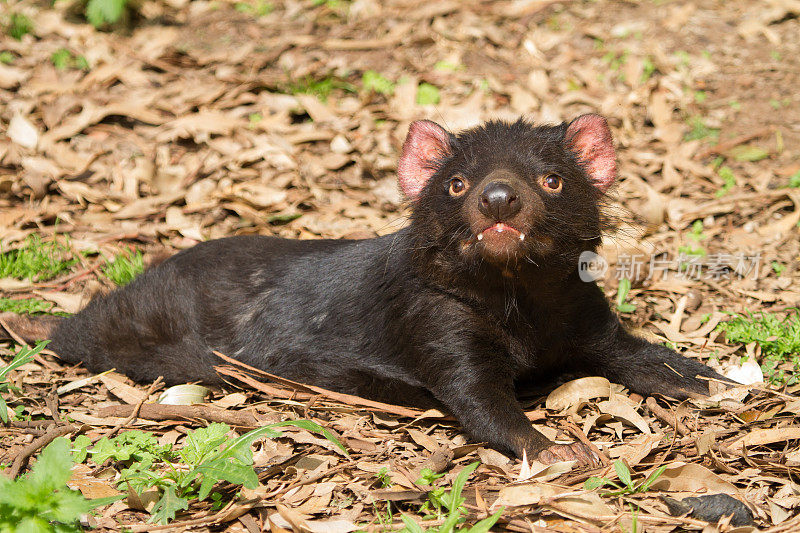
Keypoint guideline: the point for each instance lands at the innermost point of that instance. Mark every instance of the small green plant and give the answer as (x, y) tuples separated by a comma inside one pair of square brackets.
[(427, 94), (748, 152), (428, 477), (253, 119), (384, 480), (102, 12), (700, 96), (330, 4), (24, 356), (7, 57), (699, 130), (260, 8), (30, 306), (648, 68), (447, 66), (728, 181), (124, 267), (697, 236), (622, 294), (35, 260), (207, 457), (448, 505), (735, 105), (375, 82), (779, 339), (321, 88), (683, 58), (615, 60), (794, 179), (63, 59), (19, 25), (626, 484), (41, 501), (777, 267)]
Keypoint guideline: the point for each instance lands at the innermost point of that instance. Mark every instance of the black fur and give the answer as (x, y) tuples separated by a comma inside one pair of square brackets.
[(418, 317)]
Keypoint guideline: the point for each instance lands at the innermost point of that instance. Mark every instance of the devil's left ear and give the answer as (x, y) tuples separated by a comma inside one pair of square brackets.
[(590, 138)]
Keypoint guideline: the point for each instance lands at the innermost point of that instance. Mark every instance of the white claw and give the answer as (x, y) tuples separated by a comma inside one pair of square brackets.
[(522, 236), (480, 236), (525, 468)]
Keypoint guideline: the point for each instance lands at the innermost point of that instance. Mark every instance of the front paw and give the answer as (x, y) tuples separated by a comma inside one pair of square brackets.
[(577, 451)]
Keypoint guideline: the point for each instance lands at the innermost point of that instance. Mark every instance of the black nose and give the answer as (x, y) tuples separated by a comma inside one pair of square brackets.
[(499, 201)]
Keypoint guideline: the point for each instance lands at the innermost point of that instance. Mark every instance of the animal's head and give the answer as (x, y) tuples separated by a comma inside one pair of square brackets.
[(508, 193)]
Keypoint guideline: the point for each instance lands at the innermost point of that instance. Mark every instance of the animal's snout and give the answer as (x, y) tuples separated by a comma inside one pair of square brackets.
[(499, 201)]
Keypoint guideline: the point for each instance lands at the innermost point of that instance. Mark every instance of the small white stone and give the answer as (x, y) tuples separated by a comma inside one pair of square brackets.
[(480, 236), (522, 236), (22, 132), (340, 145), (747, 373)]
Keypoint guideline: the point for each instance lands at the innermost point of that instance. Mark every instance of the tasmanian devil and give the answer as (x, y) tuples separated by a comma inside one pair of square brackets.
[(477, 295)]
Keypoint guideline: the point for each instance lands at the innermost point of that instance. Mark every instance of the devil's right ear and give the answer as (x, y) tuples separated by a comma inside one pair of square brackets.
[(426, 143)]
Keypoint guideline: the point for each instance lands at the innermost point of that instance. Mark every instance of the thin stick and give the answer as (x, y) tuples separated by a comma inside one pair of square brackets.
[(665, 416), (733, 143), (22, 458), (135, 413), (155, 411), (349, 399), (581, 436)]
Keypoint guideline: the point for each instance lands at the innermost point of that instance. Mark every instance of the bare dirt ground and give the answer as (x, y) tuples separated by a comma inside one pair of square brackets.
[(199, 120)]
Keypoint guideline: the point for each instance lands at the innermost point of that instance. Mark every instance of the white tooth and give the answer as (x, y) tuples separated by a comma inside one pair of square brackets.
[(480, 236), (522, 236)]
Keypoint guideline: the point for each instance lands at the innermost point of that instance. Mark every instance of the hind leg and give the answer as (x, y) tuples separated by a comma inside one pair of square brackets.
[(149, 328)]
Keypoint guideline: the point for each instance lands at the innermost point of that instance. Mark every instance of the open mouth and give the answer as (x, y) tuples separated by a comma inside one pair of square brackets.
[(501, 228)]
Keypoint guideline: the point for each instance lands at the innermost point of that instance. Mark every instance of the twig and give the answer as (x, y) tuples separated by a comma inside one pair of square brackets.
[(348, 399), (581, 436), (30, 424), (400, 525), (154, 411), (665, 416), (224, 515), (612, 518), (312, 479), (736, 141), (51, 400), (22, 458), (135, 413)]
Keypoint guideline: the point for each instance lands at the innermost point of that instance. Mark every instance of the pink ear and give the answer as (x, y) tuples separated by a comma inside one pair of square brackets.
[(426, 143), (590, 138)]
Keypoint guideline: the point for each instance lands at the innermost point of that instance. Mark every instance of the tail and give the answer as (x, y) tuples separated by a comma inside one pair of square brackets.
[(29, 329)]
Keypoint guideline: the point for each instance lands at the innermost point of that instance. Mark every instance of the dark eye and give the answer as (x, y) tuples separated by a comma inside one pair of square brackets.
[(457, 187), (552, 183)]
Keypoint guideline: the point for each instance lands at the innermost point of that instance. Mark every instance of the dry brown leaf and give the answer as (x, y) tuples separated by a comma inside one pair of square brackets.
[(574, 392), (760, 437), (622, 409), (694, 478)]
